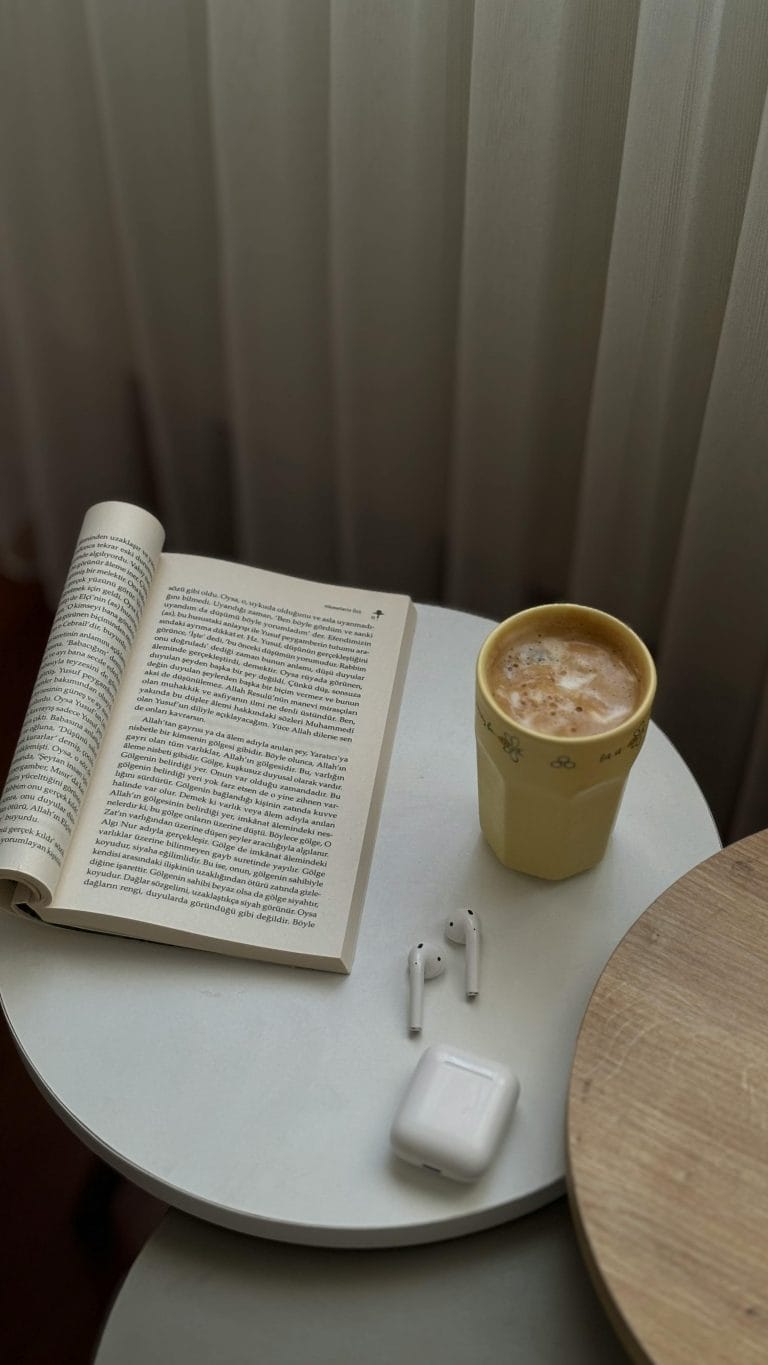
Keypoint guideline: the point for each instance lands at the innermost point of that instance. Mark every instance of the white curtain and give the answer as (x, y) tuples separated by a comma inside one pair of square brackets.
[(468, 300)]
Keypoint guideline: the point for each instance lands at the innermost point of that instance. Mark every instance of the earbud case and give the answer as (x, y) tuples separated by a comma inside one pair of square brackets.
[(453, 1115)]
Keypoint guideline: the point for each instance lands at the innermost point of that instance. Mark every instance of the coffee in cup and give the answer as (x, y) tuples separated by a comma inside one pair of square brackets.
[(561, 679), (563, 698)]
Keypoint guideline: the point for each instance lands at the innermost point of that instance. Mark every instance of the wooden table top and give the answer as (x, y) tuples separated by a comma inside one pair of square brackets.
[(668, 1120)]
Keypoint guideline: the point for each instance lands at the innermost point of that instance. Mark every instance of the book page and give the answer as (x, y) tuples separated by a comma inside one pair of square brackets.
[(80, 674), (234, 789)]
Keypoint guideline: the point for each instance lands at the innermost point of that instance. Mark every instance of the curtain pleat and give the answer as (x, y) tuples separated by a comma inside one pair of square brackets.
[(17, 558), (698, 93), (547, 109), (714, 658), (751, 808), (269, 71), (464, 298), (399, 95), (61, 285), (148, 65)]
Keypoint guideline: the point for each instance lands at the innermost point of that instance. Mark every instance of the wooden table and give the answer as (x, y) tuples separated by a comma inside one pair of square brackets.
[(668, 1120)]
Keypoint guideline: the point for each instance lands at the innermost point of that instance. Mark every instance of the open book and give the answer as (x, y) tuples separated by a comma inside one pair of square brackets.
[(204, 753)]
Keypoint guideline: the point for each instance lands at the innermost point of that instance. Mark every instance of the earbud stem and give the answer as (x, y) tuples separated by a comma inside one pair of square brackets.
[(416, 1010), (472, 986)]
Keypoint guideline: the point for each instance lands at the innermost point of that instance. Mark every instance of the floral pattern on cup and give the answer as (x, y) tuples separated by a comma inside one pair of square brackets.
[(511, 745), (637, 736), (564, 761)]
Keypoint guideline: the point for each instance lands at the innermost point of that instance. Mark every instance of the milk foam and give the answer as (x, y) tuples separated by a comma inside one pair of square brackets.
[(563, 684)]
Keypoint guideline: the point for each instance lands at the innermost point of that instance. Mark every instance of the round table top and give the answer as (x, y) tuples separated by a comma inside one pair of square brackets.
[(518, 1294), (668, 1120), (260, 1096)]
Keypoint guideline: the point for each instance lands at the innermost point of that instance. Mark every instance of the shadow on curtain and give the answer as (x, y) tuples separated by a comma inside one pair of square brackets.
[(468, 300)]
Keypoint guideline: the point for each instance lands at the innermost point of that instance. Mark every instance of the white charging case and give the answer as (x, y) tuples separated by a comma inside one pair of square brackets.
[(454, 1113)]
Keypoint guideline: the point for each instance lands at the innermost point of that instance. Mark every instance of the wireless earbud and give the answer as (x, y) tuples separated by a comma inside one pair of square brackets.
[(424, 962), (464, 927)]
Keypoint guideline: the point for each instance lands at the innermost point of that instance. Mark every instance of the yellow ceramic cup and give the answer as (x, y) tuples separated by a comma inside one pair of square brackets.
[(548, 803)]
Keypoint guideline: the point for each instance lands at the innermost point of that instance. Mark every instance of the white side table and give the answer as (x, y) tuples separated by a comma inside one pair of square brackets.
[(518, 1294), (259, 1097)]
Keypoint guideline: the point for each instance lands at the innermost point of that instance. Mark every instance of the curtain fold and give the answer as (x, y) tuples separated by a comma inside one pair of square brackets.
[(60, 282), (148, 65), (399, 91), (546, 126), (698, 94), (464, 298), (269, 93), (714, 658)]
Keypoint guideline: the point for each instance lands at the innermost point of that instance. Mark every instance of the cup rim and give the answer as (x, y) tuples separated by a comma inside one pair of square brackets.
[(643, 706)]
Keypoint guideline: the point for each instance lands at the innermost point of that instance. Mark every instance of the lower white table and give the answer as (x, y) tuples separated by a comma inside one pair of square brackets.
[(518, 1293), (260, 1097)]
